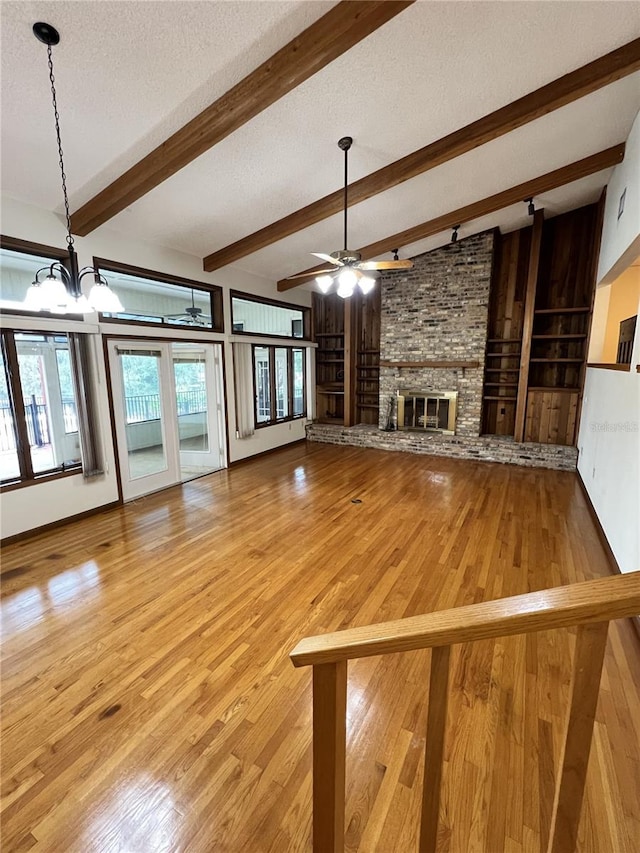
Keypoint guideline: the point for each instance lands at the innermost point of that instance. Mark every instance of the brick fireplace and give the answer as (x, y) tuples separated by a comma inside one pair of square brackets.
[(438, 312)]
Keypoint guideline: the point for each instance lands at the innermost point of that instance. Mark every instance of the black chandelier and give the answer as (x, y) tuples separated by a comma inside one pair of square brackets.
[(60, 291)]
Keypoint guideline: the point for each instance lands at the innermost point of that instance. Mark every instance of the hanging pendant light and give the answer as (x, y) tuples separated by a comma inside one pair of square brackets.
[(61, 291)]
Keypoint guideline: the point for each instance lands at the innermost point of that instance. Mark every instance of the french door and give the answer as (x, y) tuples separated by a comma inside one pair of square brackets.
[(168, 412)]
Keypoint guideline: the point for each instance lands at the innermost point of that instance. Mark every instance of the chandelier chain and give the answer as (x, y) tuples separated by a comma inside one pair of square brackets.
[(70, 240)]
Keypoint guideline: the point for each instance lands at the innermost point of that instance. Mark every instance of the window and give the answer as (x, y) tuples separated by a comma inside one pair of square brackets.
[(279, 384), (19, 263), (154, 298), (254, 315), (38, 407)]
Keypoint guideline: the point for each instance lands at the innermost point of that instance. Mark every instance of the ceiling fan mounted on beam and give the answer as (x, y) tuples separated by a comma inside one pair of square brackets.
[(349, 270)]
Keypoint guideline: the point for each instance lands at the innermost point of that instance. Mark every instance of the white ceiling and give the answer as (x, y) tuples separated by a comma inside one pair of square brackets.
[(131, 73)]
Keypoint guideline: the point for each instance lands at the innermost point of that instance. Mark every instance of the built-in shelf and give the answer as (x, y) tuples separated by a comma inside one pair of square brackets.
[(329, 335), (502, 370), (368, 352), (500, 384), (581, 310), (557, 360), (503, 340), (558, 337), (329, 360), (330, 393), (503, 355), (552, 388), (497, 397)]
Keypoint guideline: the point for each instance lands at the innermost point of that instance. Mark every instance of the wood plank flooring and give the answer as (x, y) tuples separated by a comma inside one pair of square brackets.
[(148, 700)]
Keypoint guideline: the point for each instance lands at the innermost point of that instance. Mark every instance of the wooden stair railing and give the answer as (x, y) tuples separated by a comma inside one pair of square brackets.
[(590, 605)]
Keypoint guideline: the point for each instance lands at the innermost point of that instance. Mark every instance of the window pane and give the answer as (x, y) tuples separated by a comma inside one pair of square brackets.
[(17, 271), (282, 383), (191, 399), (264, 319), (298, 382), (9, 465), (145, 439), (66, 391), (263, 384), (149, 301), (52, 444)]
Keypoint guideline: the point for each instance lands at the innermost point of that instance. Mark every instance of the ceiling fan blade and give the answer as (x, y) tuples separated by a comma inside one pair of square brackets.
[(311, 273), (386, 265), (328, 258)]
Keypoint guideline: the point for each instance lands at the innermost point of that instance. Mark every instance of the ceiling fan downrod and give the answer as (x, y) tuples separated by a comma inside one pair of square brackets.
[(345, 144)]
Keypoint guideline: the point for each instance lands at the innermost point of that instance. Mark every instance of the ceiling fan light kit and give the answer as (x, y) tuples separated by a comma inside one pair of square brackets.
[(60, 292), (349, 270)]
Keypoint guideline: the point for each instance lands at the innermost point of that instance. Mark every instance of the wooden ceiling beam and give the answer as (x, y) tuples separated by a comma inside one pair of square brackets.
[(542, 184), (341, 28), (572, 86)]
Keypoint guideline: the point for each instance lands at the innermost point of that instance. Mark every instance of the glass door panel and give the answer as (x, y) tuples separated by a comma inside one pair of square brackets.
[(144, 432), (9, 464), (144, 407), (195, 374)]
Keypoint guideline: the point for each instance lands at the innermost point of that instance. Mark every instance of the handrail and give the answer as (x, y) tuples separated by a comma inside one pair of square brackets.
[(560, 607), (590, 605)]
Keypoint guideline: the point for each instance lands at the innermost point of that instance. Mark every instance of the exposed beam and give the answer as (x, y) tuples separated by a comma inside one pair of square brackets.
[(584, 80), (544, 183), (341, 28)]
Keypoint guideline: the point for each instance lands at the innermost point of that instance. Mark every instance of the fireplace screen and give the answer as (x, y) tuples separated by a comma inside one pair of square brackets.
[(429, 411)]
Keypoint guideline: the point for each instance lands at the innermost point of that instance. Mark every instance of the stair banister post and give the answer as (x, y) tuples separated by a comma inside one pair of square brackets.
[(329, 747)]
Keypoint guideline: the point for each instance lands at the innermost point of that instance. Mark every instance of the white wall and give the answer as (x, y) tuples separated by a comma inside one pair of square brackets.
[(609, 460), (609, 437), (619, 245), (34, 506)]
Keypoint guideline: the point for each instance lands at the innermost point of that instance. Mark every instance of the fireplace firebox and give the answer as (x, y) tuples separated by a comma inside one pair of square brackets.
[(427, 411)]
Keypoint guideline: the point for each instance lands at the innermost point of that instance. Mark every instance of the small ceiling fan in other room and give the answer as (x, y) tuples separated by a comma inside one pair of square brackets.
[(349, 270), (192, 316)]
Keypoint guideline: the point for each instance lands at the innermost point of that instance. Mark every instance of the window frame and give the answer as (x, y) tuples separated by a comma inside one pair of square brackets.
[(214, 291), (27, 476), (274, 303), (274, 419), (41, 250)]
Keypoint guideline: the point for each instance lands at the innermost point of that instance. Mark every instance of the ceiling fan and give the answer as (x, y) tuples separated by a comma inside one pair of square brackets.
[(192, 315), (348, 268)]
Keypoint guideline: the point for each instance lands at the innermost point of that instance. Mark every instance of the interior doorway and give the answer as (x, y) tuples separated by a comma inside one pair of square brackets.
[(168, 404)]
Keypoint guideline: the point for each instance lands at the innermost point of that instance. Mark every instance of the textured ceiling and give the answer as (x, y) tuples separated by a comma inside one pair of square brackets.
[(131, 73)]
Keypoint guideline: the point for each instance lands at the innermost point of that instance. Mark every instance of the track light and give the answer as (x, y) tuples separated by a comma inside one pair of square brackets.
[(454, 236), (531, 208)]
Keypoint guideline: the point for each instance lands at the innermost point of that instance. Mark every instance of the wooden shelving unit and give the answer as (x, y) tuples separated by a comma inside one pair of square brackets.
[(539, 318), (328, 326), (347, 332)]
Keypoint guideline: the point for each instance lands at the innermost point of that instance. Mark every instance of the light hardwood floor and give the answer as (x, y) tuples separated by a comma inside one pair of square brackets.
[(149, 703)]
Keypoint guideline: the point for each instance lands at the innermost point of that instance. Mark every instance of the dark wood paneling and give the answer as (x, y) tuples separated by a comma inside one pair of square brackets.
[(564, 300), (504, 338), (367, 356), (551, 416), (328, 331)]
